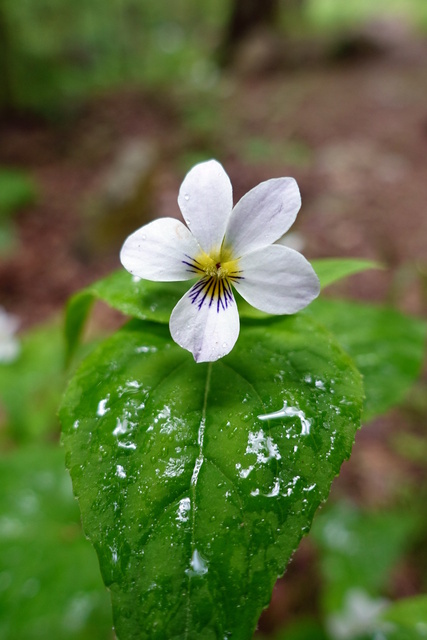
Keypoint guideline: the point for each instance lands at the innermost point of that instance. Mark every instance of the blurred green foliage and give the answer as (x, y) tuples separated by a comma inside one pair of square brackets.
[(50, 584), (54, 51), (31, 385), (59, 49), (293, 153), (359, 549), (332, 14), (16, 191), (407, 619)]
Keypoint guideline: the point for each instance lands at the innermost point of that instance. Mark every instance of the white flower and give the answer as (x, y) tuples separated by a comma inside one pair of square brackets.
[(9, 346), (359, 616), (224, 246)]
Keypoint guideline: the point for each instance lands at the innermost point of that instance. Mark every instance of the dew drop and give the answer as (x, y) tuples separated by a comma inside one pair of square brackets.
[(198, 564), (186, 197), (120, 472)]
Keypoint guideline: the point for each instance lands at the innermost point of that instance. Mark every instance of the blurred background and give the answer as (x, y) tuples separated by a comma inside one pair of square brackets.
[(104, 106)]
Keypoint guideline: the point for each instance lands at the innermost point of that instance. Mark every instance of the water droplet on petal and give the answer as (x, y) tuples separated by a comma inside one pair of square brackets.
[(186, 197)]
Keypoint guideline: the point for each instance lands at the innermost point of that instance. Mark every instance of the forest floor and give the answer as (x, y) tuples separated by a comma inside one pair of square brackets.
[(354, 135)]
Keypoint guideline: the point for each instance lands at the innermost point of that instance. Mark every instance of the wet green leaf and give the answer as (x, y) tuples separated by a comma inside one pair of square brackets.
[(193, 497), (136, 298), (49, 579), (387, 346)]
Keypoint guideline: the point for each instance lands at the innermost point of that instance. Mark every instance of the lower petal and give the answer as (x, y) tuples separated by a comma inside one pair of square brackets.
[(277, 280), (206, 321)]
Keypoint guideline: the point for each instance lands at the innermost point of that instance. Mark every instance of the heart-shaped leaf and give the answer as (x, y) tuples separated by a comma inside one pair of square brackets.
[(197, 481)]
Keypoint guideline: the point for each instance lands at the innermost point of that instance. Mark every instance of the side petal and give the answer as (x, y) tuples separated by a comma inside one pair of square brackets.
[(160, 251), (206, 321), (277, 280), (262, 216), (206, 200)]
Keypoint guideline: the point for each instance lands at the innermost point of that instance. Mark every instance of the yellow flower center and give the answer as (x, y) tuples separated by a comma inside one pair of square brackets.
[(217, 265), (217, 271)]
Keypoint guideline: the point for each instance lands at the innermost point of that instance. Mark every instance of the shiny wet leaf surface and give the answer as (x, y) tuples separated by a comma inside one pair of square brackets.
[(196, 482)]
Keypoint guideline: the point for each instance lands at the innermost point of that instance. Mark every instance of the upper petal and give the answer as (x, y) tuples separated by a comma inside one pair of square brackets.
[(262, 216), (159, 251), (277, 280), (206, 321), (206, 200)]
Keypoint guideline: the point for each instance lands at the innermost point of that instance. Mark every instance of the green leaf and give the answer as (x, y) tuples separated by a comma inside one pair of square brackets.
[(31, 386), (49, 579), (155, 300), (387, 346), (331, 270), (359, 549), (136, 298), (193, 502), (8, 239), (16, 191), (76, 314), (407, 619)]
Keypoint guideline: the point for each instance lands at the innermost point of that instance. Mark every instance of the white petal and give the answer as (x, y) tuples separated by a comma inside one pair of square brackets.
[(206, 200), (277, 280), (262, 216), (206, 325), (159, 251)]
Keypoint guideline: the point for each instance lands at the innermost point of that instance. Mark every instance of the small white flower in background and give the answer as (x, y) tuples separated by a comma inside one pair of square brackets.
[(9, 345), (224, 246), (360, 615)]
